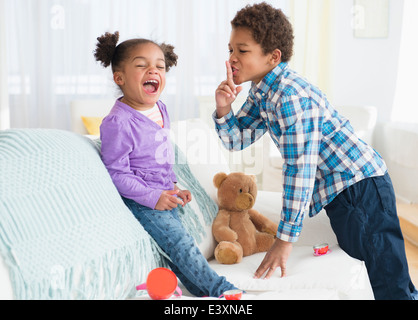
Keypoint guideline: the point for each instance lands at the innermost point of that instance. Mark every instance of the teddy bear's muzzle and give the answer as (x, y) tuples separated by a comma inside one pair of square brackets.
[(245, 201)]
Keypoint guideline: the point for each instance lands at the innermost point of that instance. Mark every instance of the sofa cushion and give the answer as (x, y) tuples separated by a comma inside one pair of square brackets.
[(332, 276), (335, 272), (65, 233), (92, 125)]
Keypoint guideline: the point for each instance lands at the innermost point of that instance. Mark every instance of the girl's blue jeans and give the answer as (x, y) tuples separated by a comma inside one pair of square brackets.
[(187, 262)]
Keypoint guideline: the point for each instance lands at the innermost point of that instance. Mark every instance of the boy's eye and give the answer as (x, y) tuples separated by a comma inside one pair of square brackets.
[(240, 51)]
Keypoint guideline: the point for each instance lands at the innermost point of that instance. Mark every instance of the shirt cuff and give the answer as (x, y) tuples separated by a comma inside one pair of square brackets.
[(222, 121), (288, 232), (151, 199)]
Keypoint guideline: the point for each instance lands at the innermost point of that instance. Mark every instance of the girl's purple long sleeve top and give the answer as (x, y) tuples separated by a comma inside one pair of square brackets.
[(138, 153)]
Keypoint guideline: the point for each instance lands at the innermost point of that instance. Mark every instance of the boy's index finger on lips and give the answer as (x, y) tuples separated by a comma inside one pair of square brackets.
[(229, 76), (228, 70)]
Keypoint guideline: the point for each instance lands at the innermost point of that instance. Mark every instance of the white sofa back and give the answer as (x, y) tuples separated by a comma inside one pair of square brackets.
[(88, 108), (362, 118), (398, 144)]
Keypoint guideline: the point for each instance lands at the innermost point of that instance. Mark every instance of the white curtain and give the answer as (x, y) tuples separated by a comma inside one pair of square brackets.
[(4, 96), (314, 24), (50, 46), (405, 107)]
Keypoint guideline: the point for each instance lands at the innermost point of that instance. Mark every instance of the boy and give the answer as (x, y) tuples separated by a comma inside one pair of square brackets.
[(326, 164)]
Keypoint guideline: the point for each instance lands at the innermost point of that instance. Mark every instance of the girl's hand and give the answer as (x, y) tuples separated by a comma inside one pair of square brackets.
[(167, 200), (226, 93), (185, 195)]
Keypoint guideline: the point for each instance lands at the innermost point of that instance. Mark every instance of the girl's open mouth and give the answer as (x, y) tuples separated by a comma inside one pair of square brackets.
[(234, 71), (151, 86)]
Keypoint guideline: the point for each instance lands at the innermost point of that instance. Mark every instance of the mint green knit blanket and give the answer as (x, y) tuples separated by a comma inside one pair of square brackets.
[(65, 233)]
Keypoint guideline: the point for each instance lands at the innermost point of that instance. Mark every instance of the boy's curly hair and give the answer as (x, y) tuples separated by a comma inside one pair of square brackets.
[(269, 26), (109, 53)]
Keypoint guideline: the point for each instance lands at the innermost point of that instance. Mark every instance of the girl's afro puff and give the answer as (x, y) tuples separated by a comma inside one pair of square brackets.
[(109, 53), (105, 48)]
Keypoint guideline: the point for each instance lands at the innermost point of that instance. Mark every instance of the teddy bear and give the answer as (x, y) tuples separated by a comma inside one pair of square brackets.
[(239, 230)]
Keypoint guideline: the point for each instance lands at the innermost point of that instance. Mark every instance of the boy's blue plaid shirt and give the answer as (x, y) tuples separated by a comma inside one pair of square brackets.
[(322, 154)]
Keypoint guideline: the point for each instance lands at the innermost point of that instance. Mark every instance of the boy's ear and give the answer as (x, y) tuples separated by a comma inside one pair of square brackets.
[(118, 78), (276, 56)]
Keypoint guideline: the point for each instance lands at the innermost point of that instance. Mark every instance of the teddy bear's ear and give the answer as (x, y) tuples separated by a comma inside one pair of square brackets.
[(219, 178)]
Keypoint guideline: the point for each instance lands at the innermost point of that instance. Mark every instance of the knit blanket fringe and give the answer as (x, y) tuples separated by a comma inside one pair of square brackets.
[(110, 277)]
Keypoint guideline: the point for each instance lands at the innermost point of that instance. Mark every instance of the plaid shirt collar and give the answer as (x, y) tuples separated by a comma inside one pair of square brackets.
[(261, 89)]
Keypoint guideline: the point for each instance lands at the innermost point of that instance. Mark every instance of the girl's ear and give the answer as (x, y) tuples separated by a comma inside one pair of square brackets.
[(276, 56), (118, 78)]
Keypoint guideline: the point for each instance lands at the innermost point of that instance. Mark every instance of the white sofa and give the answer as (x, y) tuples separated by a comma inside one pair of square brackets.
[(332, 276)]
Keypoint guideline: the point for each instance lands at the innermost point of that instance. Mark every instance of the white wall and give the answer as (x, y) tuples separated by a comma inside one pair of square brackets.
[(365, 70), (4, 98), (365, 73)]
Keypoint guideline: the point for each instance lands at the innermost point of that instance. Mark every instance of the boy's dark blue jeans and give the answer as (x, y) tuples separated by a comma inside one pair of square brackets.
[(365, 221)]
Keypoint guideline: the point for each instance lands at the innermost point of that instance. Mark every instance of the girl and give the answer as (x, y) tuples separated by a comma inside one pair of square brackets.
[(132, 138)]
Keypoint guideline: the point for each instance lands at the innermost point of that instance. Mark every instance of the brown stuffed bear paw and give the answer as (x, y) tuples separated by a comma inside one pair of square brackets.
[(228, 252)]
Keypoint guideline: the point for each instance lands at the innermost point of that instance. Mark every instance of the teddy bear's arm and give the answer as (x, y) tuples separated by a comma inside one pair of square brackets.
[(262, 223), (220, 228)]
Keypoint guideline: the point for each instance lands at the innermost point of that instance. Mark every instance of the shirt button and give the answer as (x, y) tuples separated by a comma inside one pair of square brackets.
[(297, 233)]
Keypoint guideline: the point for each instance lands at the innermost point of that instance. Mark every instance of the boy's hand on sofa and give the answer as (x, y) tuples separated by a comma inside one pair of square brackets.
[(226, 93), (276, 257)]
